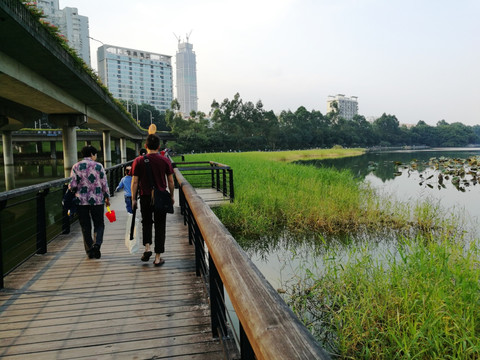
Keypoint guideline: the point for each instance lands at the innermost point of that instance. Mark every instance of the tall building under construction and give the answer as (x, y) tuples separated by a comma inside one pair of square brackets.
[(186, 78)]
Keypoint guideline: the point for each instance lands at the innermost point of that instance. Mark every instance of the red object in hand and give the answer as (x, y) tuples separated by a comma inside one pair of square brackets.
[(110, 214)]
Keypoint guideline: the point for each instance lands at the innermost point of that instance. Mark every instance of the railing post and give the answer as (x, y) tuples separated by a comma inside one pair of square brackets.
[(213, 176), (198, 247), (110, 180), (65, 217), (217, 307), (2, 206), (246, 351), (41, 222), (232, 192), (218, 180), (224, 176)]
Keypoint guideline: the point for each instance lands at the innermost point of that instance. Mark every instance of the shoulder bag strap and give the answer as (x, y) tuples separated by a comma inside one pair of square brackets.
[(149, 171)]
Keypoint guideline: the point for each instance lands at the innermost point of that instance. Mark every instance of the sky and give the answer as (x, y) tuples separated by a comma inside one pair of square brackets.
[(415, 59)]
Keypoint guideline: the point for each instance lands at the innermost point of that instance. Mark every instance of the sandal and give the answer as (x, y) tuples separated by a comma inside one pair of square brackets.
[(159, 263), (146, 256)]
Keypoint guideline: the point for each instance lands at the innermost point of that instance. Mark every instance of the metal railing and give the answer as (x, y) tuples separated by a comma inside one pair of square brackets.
[(209, 174), (267, 327), (32, 216)]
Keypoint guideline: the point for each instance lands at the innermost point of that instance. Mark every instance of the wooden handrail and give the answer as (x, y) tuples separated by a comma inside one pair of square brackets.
[(273, 330)]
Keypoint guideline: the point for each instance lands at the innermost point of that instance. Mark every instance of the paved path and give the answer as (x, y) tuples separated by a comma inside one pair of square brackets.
[(62, 305)]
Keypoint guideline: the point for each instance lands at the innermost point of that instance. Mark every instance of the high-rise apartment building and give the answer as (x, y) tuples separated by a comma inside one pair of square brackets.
[(71, 25), (186, 78), (137, 76), (347, 106)]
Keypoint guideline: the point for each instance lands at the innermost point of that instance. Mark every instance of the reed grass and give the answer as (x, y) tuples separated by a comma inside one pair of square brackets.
[(273, 194), (421, 302)]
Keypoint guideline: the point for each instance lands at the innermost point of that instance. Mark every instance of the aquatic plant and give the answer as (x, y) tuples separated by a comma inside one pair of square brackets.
[(420, 301)]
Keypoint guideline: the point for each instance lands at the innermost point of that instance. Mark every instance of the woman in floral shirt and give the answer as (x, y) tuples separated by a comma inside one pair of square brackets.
[(89, 182)]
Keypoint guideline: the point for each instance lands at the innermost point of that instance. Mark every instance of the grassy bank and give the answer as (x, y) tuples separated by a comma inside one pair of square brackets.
[(274, 194)]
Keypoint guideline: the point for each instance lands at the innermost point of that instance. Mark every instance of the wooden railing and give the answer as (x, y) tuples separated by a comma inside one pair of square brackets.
[(32, 216), (268, 329)]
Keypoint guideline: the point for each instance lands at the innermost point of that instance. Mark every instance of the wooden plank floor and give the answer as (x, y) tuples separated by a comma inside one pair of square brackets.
[(62, 305)]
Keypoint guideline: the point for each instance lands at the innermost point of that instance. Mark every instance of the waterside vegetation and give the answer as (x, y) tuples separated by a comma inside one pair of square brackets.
[(419, 300), (273, 194)]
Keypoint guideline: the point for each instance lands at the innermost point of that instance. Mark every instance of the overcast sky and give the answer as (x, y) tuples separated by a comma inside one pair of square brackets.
[(415, 59)]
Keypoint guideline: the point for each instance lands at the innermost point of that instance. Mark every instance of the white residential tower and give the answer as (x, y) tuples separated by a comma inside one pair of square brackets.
[(71, 25), (347, 106), (138, 76)]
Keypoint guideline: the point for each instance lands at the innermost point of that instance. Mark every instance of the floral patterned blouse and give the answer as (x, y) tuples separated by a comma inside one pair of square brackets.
[(89, 181)]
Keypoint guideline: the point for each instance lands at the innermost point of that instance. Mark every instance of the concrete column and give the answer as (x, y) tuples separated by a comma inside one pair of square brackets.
[(8, 160), (123, 150), (117, 149), (137, 148), (53, 150), (70, 152), (107, 149), (39, 148)]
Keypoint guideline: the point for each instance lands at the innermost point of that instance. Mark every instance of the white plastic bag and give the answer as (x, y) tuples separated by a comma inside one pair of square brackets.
[(133, 245)]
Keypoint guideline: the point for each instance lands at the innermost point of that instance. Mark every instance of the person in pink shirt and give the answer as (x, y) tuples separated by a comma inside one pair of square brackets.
[(89, 183)]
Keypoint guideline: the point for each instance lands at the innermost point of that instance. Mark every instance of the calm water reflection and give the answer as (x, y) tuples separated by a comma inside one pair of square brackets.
[(378, 170), (28, 173)]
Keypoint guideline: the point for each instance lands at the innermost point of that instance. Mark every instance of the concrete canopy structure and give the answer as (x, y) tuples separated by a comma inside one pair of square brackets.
[(30, 87)]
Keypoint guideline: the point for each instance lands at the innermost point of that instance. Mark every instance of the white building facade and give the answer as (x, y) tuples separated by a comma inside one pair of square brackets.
[(347, 106), (137, 76), (186, 78), (71, 25)]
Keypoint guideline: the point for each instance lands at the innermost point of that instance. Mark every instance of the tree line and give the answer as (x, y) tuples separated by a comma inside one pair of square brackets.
[(237, 125)]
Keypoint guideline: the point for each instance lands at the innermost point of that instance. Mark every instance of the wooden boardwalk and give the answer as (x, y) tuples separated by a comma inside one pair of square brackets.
[(62, 305)]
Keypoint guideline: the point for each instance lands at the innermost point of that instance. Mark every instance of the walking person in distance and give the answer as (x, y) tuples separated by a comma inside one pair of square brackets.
[(162, 173), (126, 184), (89, 183)]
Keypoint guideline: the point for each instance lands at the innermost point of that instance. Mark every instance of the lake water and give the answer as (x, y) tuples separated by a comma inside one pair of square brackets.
[(408, 182)]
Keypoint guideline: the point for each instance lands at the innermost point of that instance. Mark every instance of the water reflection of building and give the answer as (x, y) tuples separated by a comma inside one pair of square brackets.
[(347, 106)]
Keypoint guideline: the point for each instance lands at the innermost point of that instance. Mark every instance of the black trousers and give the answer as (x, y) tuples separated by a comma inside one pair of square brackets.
[(87, 214), (151, 217)]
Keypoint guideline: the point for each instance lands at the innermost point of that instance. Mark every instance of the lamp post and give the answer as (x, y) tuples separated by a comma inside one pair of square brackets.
[(96, 40), (150, 116)]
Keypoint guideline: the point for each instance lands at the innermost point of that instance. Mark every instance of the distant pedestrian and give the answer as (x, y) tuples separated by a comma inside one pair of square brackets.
[(126, 183), (89, 183), (162, 173), (143, 151)]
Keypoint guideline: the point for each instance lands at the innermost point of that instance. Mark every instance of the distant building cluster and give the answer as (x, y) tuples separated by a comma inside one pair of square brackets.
[(347, 107), (137, 76)]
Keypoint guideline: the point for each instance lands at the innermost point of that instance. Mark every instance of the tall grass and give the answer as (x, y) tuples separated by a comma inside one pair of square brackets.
[(274, 194), (421, 302)]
